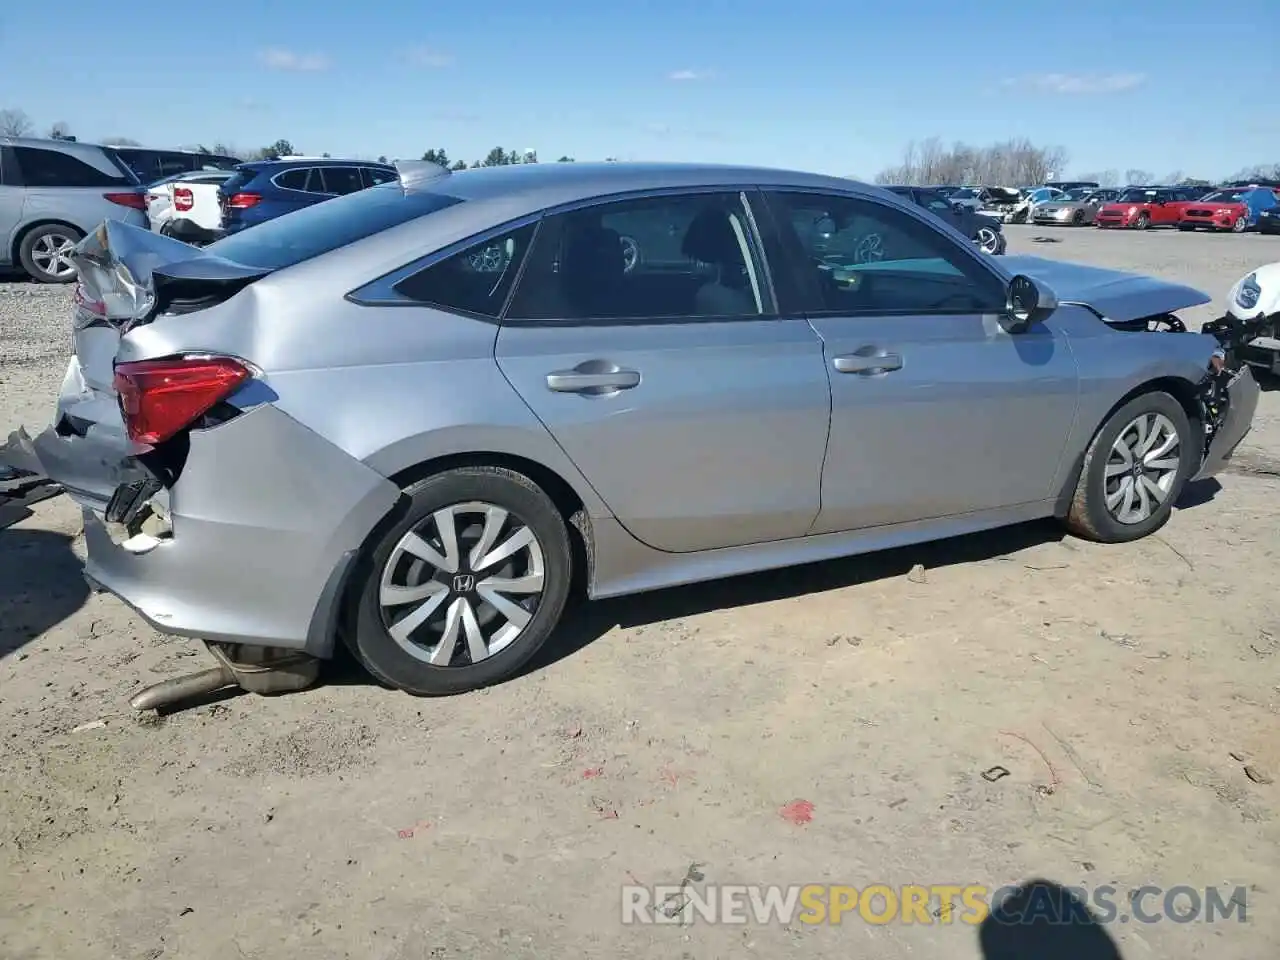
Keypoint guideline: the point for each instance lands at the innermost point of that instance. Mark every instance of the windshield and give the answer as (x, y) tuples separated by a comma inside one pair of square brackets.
[(311, 231), (1078, 193), (964, 194), (1039, 196), (1137, 196), (1226, 196)]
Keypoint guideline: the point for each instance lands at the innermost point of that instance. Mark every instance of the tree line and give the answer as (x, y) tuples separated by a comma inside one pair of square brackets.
[(1014, 163)]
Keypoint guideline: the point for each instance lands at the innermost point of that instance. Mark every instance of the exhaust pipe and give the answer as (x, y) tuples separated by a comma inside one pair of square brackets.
[(261, 670), (177, 689)]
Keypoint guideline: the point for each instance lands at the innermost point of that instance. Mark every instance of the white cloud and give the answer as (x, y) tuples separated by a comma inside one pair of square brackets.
[(277, 58), (1074, 83), (690, 75), (427, 57)]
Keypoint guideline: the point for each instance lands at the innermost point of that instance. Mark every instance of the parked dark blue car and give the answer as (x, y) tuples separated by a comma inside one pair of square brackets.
[(267, 189)]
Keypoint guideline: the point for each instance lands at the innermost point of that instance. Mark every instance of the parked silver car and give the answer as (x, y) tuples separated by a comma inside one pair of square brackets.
[(413, 415), (1078, 207), (52, 193)]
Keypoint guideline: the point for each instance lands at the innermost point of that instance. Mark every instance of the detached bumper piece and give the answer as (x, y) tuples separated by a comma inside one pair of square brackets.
[(22, 483)]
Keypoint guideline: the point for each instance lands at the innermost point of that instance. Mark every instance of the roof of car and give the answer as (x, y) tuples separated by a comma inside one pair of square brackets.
[(315, 162), (565, 182)]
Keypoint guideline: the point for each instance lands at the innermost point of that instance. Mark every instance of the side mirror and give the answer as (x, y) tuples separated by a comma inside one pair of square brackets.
[(1029, 303)]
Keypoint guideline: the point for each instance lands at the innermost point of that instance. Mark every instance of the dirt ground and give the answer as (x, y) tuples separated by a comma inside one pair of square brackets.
[(1125, 689)]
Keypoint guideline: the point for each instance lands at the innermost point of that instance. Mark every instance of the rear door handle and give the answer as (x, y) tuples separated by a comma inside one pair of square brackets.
[(867, 362), (578, 381)]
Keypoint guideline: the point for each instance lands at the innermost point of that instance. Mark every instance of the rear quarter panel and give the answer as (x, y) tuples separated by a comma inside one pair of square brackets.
[(392, 387), (83, 208)]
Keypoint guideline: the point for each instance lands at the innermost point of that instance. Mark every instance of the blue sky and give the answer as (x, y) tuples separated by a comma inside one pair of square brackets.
[(837, 87)]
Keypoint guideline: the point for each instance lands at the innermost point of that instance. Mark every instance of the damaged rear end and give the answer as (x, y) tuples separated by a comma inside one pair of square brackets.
[(207, 509)]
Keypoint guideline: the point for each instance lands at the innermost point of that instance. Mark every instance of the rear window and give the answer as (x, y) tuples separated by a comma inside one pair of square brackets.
[(40, 167), (323, 227), (239, 180)]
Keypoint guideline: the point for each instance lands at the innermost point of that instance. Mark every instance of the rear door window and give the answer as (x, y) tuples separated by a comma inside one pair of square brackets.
[(293, 179), (342, 180), (315, 181), (41, 167)]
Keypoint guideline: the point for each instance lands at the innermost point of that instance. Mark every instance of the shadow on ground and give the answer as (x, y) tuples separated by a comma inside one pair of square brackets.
[(40, 585), (1042, 920), (588, 622)]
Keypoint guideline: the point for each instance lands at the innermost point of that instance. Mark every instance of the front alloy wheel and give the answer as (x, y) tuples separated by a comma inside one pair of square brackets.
[(1133, 470), (988, 240), (1142, 467), (465, 586)]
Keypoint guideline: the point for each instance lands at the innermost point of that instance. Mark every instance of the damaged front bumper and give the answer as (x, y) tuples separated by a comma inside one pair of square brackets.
[(1230, 418)]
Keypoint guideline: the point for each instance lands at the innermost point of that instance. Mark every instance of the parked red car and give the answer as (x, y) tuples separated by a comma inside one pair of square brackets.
[(1235, 209), (1143, 207)]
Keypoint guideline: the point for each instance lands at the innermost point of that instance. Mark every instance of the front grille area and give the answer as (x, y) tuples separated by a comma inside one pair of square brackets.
[(1199, 213)]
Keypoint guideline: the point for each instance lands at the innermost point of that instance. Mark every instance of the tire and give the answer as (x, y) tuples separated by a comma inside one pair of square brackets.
[(1077, 218), (1142, 221), (463, 495), (1089, 515), (1187, 227), (1241, 225), (42, 253), (988, 239)]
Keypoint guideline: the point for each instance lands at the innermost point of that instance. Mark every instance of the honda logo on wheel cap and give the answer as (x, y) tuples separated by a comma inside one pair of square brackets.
[(464, 583)]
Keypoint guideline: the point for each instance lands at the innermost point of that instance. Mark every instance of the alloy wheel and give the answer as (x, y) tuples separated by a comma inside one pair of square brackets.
[(988, 239), (1240, 225), (52, 254), (1141, 468), (462, 585), (630, 254)]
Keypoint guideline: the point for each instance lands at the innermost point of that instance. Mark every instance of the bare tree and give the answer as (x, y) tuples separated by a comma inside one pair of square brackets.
[(60, 131), (15, 123), (1137, 177), (120, 142), (1260, 171), (1012, 163), (1176, 177)]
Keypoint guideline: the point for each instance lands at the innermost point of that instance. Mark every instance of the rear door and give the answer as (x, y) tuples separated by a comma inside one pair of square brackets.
[(644, 335), (935, 410), (339, 181)]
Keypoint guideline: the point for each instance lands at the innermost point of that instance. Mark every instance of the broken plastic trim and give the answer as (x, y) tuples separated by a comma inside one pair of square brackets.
[(415, 173)]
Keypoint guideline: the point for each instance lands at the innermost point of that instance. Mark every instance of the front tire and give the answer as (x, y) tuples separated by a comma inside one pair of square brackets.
[(1241, 225), (1134, 470), (44, 253), (1077, 218), (989, 240), (466, 587), (1142, 221)]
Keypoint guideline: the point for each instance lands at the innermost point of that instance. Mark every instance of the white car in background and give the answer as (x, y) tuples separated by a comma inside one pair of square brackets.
[(186, 205), (1023, 212)]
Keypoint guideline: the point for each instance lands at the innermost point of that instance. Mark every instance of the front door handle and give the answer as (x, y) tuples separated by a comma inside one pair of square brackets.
[(590, 381), (867, 362)]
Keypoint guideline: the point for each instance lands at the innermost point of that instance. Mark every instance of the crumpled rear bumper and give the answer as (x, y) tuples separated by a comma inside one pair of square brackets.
[(1243, 393), (263, 525)]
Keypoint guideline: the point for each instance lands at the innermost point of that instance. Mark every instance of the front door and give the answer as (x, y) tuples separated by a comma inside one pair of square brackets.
[(644, 336), (936, 410)]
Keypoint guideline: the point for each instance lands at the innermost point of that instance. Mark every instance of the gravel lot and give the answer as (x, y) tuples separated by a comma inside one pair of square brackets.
[(1125, 689)]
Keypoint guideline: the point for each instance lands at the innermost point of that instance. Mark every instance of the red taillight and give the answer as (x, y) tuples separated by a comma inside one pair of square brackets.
[(243, 201), (159, 398), (183, 199), (135, 200)]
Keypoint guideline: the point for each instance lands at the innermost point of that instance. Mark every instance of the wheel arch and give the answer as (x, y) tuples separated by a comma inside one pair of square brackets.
[(1180, 388), (21, 234)]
